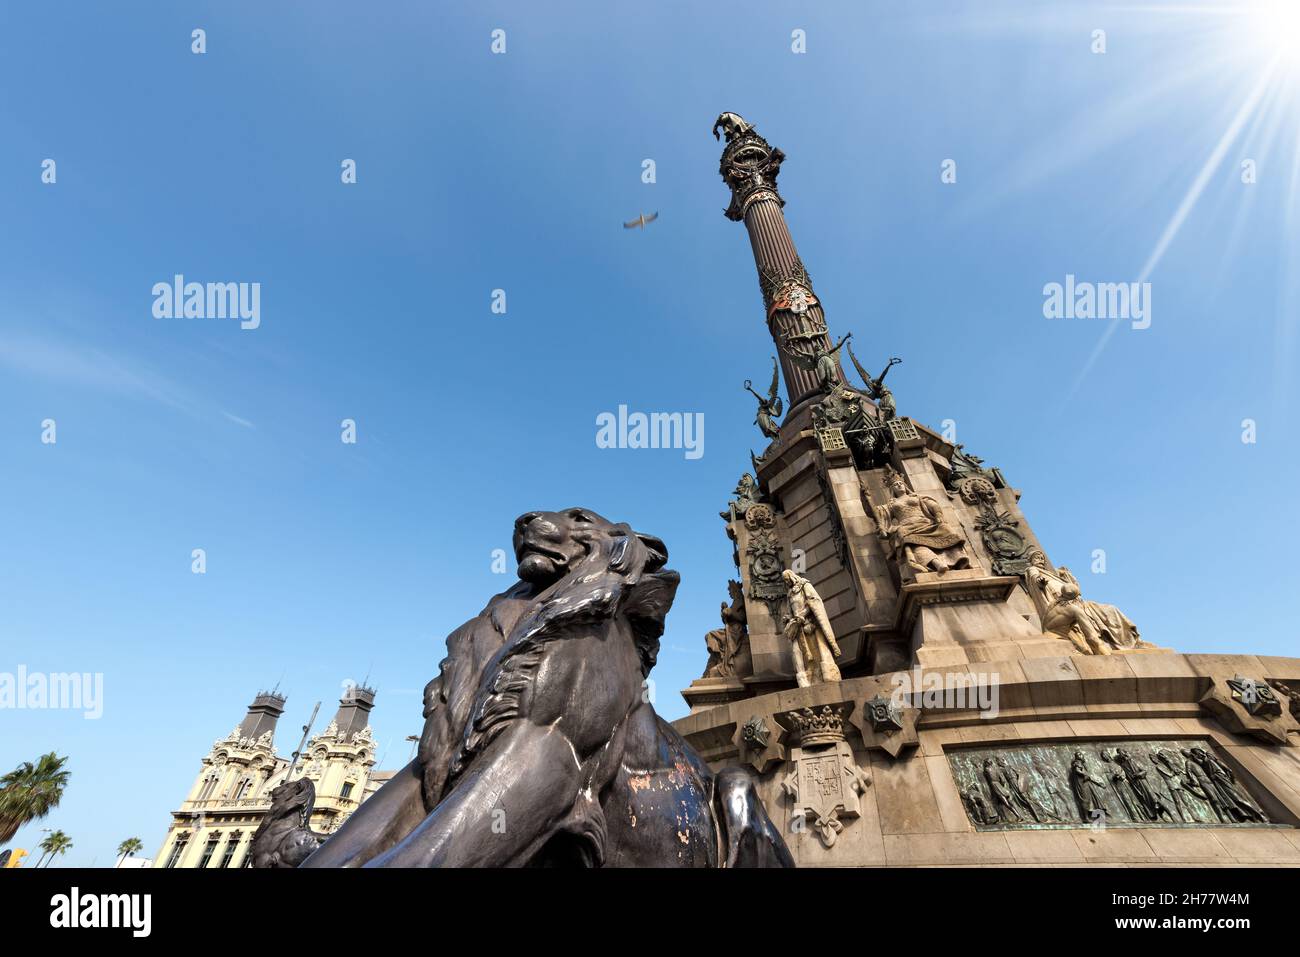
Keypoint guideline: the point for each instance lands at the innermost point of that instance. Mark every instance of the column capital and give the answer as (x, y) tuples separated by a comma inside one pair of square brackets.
[(749, 165)]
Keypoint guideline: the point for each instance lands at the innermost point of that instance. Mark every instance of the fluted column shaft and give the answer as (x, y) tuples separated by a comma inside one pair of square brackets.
[(795, 319), (775, 255)]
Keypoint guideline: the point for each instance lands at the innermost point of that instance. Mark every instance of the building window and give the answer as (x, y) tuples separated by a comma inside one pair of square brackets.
[(210, 849), (243, 786), (232, 845), (209, 783), (347, 791), (177, 849)]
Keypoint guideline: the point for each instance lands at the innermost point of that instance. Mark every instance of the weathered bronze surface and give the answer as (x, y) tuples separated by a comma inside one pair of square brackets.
[(1148, 783), (876, 387), (770, 407), (540, 744), (283, 839)]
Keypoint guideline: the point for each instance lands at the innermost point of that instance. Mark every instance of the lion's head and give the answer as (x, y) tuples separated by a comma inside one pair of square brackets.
[(292, 798), (579, 571), (549, 545), (283, 839)]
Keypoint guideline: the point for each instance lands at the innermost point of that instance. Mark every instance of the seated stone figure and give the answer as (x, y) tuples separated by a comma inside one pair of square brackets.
[(1093, 628), (919, 537), (540, 746)]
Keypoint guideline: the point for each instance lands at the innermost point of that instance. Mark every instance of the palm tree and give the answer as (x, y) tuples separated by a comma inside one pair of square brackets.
[(128, 848), (29, 792), (56, 842)]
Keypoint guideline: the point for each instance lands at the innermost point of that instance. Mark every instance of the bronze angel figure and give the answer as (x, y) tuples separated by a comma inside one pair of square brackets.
[(823, 363), (770, 407), (876, 388)]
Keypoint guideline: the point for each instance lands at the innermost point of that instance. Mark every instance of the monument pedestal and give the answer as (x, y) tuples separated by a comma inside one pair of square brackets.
[(932, 803)]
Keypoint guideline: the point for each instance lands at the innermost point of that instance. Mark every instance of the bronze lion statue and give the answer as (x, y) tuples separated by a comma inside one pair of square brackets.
[(283, 839), (540, 747)]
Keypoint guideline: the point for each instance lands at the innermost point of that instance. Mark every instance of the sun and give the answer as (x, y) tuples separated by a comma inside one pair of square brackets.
[(1275, 27)]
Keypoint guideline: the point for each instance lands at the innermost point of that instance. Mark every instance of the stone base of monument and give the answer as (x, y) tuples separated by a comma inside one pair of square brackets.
[(1139, 759), (705, 693)]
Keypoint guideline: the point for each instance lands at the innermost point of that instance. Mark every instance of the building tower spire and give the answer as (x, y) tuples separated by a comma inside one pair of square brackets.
[(749, 167), (262, 714), (354, 710)]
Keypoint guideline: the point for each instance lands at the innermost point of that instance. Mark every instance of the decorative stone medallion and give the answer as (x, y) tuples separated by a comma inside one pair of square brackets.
[(1251, 706), (1255, 696), (755, 733)]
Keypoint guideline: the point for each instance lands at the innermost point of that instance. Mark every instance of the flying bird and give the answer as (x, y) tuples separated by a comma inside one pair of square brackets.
[(641, 220)]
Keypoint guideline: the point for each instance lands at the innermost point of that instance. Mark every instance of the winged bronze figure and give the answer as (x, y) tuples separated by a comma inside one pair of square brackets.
[(770, 407), (823, 363), (876, 388)]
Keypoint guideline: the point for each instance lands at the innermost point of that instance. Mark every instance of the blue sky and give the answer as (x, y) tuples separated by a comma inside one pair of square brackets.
[(477, 172)]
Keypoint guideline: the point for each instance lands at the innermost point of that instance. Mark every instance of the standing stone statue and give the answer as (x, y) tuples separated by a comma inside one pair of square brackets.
[(727, 642), (809, 631), (1093, 628), (916, 531), (876, 388), (770, 407), (1088, 790)]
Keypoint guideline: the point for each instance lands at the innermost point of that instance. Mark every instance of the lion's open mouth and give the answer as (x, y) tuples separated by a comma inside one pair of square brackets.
[(546, 551)]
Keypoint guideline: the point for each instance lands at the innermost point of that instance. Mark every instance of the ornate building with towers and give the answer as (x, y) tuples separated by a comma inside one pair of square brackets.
[(214, 825), (910, 677)]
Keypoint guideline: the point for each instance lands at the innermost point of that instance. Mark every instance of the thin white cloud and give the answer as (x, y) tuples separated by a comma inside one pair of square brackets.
[(237, 420), (89, 367)]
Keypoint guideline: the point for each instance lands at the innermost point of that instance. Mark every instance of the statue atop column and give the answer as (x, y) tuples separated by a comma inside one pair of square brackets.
[(732, 124), (809, 630)]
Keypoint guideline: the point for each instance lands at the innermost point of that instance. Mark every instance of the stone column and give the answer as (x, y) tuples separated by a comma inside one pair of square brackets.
[(795, 318)]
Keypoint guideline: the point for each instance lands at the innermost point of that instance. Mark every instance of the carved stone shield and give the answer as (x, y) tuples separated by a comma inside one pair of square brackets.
[(825, 786)]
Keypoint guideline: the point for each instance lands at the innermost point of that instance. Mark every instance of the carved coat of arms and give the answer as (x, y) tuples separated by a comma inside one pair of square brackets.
[(824, 782)]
